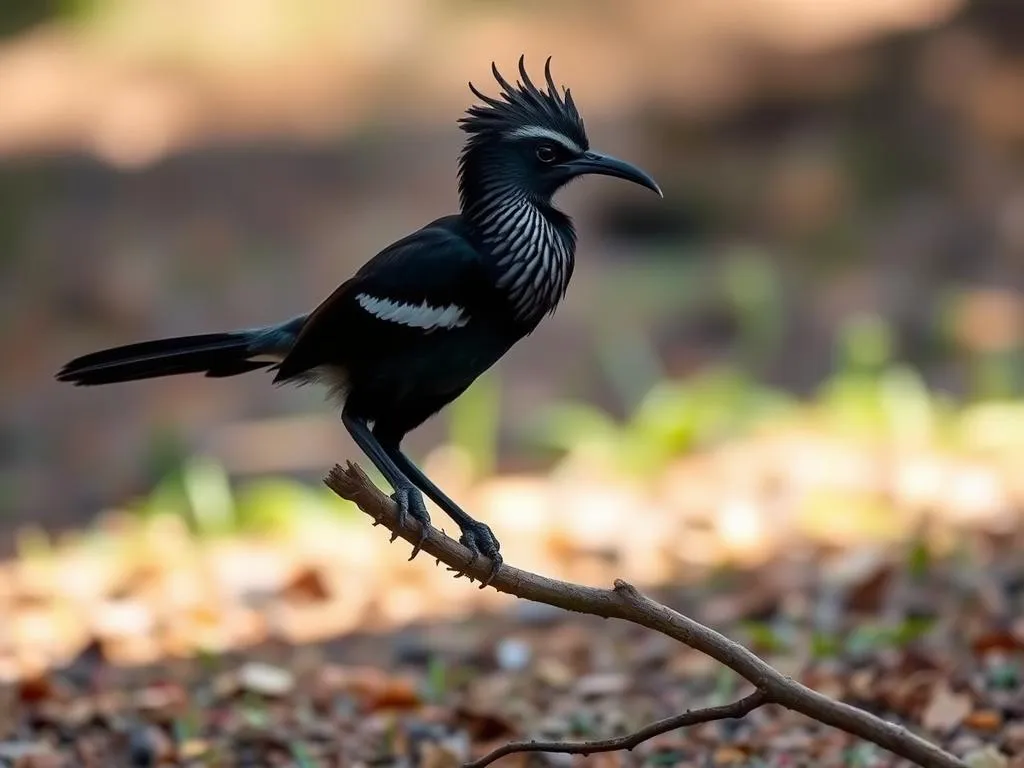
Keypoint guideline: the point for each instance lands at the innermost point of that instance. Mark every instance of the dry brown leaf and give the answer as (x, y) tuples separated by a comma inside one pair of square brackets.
[(730, 756), (984, 720), (484, 725), (307, 586), (997, 640), (395, 693), (553, 672), (946, 710)]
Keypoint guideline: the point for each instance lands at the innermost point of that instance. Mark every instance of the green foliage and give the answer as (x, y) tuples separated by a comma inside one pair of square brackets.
[(474, 422), (919, 559), (673, 418), (825, 645), (765, 638), (1005, 676), (870, 637), (302, 756), (754, 293), (869, 396), (200, 491), (437, 680), (725, 686), (18, 17), (861, 755), (33, 543)]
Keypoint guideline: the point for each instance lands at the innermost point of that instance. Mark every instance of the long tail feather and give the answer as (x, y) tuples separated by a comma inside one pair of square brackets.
[(213, 354)]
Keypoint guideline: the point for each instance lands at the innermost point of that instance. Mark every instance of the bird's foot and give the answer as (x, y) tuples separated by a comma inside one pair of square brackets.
[(478, 538), (410, 504)]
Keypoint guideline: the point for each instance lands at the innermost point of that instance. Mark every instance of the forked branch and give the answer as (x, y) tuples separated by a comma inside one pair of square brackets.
[(624, 601)]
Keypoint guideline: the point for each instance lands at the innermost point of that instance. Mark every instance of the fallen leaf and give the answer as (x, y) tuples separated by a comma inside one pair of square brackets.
[(395, 693), (984, 720), (553, 672), (997, 640), (946, 710), (308, 586), (484, 726), (730, 756)]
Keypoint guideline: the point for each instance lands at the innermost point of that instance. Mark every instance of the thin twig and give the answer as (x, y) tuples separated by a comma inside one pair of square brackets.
[(739, 708), (624, 601)]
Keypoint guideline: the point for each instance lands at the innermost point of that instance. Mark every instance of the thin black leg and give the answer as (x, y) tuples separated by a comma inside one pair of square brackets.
[(476, 536), (406, 496)]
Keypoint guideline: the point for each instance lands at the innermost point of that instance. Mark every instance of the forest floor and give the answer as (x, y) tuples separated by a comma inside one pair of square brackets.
[(320, 645)]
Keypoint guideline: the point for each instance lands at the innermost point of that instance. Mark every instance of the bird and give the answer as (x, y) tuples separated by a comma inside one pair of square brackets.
[(421, 320)]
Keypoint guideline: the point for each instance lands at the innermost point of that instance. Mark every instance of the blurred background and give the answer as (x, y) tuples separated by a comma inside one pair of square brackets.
[(810, 350)]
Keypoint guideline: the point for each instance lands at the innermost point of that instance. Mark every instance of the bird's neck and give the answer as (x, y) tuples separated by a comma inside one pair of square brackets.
[(531, 243)]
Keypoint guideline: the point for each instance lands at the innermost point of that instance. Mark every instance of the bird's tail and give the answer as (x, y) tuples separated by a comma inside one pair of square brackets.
[(212, 354)]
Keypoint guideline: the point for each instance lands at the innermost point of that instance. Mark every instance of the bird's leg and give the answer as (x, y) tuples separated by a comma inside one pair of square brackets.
[(406, 496), (476, 536)]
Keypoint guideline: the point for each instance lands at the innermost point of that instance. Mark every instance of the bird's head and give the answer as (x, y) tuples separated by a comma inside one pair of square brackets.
[(531, 141)]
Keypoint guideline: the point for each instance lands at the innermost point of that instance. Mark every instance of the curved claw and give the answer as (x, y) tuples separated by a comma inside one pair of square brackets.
[(479, 540), (410, 504), (497, 561), (401, 499), (419, 543)]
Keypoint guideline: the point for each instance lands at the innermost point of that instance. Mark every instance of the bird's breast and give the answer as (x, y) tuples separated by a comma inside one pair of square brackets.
[(534, 265)]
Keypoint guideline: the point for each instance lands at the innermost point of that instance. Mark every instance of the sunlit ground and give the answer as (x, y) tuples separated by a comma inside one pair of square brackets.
[(865, 541)]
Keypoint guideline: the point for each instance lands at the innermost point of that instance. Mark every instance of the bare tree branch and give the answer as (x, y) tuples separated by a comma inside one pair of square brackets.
[(624, 601), (737, 709)]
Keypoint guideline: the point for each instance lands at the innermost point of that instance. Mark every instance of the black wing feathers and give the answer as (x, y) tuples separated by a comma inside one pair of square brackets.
[(436, 265)]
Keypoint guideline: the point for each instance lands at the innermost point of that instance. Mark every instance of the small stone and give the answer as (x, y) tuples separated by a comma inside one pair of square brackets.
[(265, 680), (946, 710), (513, 654)]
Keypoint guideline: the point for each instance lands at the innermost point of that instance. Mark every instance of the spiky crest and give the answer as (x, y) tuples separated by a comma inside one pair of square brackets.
[(523, 105)]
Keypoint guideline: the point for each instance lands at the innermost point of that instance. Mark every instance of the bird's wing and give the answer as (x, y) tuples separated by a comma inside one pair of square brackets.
[(430, 282)]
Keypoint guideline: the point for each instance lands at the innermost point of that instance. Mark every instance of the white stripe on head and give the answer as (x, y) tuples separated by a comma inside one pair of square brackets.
[(540, 132), (422, 315)]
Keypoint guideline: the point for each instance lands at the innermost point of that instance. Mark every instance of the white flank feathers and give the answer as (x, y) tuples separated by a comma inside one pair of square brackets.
[(422, 315)]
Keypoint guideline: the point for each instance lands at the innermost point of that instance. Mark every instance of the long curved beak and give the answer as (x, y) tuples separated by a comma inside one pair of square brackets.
[(606, 165)]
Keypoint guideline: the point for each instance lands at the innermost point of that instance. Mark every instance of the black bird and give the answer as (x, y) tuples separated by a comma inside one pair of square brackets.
[(419, 322)]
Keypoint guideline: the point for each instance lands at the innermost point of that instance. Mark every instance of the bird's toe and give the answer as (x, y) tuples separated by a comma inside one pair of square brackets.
[(410, 504), (480, 540)]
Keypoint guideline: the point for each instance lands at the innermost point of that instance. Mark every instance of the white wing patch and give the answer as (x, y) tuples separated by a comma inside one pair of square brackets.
[(422, 315), (541, 132)]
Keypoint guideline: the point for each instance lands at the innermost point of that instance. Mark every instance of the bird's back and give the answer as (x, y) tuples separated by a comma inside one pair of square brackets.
[(418, 322)]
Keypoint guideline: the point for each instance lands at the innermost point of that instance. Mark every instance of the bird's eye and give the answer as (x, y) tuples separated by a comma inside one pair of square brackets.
[(546, 153)]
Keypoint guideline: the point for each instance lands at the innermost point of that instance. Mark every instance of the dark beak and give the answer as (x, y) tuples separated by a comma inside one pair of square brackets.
[(606, 165)]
